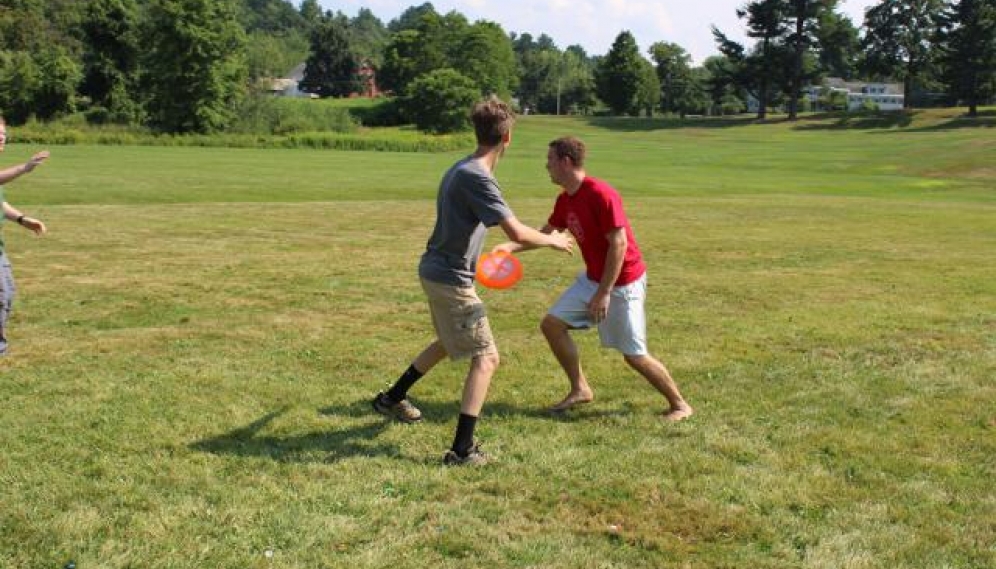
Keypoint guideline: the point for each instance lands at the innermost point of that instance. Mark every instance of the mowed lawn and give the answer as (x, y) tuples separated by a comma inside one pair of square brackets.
[(197, 339)]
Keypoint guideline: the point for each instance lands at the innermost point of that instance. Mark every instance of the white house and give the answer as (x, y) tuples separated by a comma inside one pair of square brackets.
[(289, 86), (882, 96)]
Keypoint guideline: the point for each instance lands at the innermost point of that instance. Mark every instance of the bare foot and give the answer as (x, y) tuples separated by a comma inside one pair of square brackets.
[(573, 399), (678, 413)]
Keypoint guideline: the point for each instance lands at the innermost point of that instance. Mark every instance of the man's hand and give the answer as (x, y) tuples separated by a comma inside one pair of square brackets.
[(33, 224), (507, 247), (562, 241), (36, 160), (598, 307)]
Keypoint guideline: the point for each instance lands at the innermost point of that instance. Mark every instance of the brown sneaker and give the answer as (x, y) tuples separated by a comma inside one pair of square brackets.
[(403, 410), (475, 457)]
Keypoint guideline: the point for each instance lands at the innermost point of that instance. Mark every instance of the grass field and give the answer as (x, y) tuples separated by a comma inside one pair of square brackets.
[(197, 338)]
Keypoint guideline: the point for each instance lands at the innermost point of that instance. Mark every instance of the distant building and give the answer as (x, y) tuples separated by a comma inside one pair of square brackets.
[(368, 78), (883, 96), (289, 86)]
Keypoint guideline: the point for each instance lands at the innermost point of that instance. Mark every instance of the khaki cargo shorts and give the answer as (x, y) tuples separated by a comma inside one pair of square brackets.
[(460, 319)]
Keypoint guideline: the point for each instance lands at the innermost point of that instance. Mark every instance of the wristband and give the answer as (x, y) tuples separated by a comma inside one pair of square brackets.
[(20, 219)]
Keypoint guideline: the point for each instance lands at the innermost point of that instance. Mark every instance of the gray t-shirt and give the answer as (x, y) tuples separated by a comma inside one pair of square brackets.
[(469, 202)]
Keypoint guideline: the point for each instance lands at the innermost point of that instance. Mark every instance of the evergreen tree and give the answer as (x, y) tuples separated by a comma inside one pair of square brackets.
[(759, 71), (619, 75), (765, 23), (804, 17), (721, 87), (967, 44)]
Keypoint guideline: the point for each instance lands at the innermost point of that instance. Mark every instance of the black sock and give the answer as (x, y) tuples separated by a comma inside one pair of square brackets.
[(464, 440), (404, 383)]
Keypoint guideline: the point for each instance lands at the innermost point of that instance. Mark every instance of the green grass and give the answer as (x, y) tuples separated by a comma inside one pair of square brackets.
[(197, 338)]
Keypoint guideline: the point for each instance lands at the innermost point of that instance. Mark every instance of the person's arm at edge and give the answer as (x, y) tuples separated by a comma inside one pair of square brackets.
[(15, 215), (14, 172)]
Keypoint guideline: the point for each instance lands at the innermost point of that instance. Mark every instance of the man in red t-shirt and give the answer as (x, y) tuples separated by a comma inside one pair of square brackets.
[(610, 292)]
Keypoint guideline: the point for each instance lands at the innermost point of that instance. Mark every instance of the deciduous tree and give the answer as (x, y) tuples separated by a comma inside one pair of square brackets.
[(438, 101), (110, 30), (674, 72), (195, 66), (488, 59), (331, 69), (897, 41)]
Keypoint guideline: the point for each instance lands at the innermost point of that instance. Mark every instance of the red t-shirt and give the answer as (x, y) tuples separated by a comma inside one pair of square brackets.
[(590, 214)]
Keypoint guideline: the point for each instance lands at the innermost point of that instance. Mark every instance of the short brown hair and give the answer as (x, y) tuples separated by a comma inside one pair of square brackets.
[(492, 119), (569, 147)]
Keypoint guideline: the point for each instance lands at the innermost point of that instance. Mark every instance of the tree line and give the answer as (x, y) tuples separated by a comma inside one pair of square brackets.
[(934, 47), (189, 65)]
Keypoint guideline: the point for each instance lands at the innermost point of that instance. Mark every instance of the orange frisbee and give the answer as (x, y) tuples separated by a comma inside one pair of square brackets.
[(498, 270)]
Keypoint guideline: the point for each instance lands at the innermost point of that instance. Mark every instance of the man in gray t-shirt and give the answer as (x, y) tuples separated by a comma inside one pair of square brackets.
[(469, 202)]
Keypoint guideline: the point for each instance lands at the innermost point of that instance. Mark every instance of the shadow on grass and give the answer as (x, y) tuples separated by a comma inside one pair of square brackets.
[(337, 443), (825, 121), (893, 120), (358, 441), (855, 121), (984, 119), (448, 411)]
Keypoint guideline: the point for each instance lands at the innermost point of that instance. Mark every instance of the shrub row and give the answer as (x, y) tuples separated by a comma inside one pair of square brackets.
[(265, 122), (315, 140)]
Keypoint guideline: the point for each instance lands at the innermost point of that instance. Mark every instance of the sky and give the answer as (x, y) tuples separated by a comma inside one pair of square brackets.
[(594, 24)]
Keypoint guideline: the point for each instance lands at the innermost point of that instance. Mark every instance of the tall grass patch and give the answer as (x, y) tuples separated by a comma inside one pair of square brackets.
[(266, 114)]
